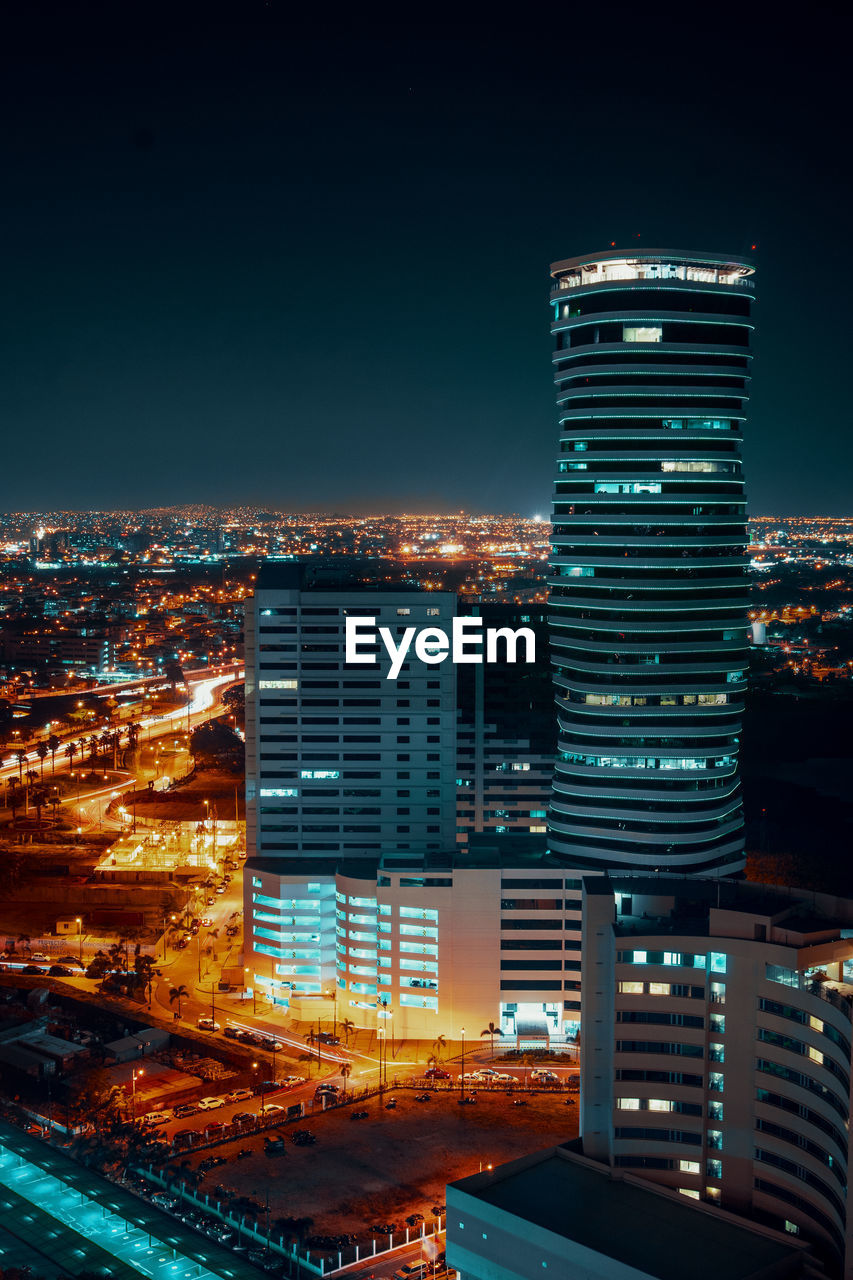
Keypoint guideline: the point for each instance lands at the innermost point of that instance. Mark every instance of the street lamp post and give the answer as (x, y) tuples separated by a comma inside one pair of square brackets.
[(80, 936), (254, 997), (462, 1077), (381, 1034), (136, 1072)]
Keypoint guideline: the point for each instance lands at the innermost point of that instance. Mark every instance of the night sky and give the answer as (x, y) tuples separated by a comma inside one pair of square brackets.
[(253, 257)]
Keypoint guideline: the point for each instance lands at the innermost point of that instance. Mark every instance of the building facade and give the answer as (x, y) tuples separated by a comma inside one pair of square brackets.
[(648, 590), (506, 735), (340, 761), (439, 948), (717, 1047)]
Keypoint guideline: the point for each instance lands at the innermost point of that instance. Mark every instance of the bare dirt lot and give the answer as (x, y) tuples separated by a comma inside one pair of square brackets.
[(394, 1162)]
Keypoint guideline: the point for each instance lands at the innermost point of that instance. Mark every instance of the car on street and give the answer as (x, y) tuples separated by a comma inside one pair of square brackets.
[(436, 1073), (243, 1117), (156, 1117), (270, 1109), (163, 1200), (207, 921), (326, 1037), (221, 889), (497, 1077), (290, 1082), (544, 1077), (239, 1095), (207, 1024), (210, 1104), (209, 902), (412, 1271), (185, 1109)]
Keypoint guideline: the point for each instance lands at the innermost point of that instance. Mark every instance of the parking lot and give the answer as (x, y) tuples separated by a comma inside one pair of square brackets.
[(388, 1165)]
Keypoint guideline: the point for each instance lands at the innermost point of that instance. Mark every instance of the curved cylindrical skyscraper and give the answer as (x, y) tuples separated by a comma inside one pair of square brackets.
[(648, 581)]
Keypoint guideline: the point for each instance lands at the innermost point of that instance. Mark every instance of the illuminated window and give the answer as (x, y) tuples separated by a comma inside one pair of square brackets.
[(278, 684), (642, 333)]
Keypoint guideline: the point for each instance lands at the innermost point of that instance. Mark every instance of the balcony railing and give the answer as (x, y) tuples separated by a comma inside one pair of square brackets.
[(650, 273)]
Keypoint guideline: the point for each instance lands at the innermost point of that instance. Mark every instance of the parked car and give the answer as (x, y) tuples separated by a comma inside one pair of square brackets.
[(243, 1117), (544, 1077), (207, 921), (209, 902), (221, 889), (59, 971), (216, 1129), (163, 1200), (233, 1033), (32, 968), (207, 1024), (270, 1109), (156, 1117), (290, 1082), (38, 955), (210, 1104), (436, 1073), (238, 1095), (184, 1109), (325, 1088), (412, 1271)]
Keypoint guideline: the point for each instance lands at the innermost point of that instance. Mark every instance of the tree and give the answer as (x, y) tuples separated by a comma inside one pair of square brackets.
[(42, 753), (346, 1070), (348, 1027), (143, 967), (178, 993), (21, 757), (53, 745), (491, 1031), (439, 1045), (70, 752)]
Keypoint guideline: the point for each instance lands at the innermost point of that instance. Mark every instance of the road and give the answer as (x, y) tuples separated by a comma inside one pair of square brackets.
[(386, 1267), (205, 700)]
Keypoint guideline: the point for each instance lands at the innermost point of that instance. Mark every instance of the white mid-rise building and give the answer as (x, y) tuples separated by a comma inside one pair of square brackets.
[(716, 1055)]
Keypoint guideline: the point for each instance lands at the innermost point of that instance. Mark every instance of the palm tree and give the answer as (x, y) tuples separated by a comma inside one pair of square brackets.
[(21, 757), (491, 1031), (348, 1027), (53, 745), (70, 752), (439, 1045), (92, 744), (41, 752), (346, 1069), (178, 993)]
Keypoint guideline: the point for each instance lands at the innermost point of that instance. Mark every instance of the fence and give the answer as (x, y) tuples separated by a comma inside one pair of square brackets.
[(318, 1262)]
